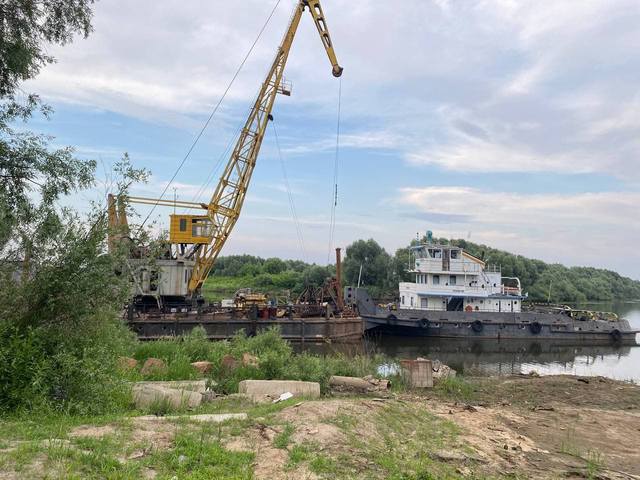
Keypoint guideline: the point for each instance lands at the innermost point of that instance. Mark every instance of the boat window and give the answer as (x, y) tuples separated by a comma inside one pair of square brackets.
[(454, 253), (403, 299), (183, 224), (436, 279), (452, 280), (412, 301)]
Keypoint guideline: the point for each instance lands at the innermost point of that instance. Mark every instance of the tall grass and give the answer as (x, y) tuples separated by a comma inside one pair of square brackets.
[(276, 360)]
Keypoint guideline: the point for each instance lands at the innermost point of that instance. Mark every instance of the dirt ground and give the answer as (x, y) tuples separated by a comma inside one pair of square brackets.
[(512, 427), (517, 427), (553, 427)]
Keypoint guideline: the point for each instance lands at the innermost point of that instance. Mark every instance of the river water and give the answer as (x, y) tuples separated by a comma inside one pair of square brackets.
[(506, 357)]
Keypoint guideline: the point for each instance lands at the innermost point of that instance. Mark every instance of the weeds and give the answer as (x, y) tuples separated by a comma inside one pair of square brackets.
[(283, 439), (277, 360), (455, 387)]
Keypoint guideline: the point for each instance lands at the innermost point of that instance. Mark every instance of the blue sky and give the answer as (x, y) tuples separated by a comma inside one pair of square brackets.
[(512, 123)]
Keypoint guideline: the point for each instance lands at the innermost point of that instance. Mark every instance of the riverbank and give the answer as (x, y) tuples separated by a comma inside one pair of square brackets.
[(499, 427)]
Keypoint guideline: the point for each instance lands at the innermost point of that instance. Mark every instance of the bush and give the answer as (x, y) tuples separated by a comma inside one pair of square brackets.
[(48, 368)]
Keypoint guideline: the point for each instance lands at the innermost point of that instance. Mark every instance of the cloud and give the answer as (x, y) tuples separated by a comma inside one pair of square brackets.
[(593, 228), (432, 86)]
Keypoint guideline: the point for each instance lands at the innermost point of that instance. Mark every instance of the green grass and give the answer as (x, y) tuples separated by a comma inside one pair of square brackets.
[(297, 454), (283, 439), (200, 455), (455, 387)]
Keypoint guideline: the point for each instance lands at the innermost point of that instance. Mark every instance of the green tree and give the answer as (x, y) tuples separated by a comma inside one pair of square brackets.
[(60, 325), (377, 267), (28, 165)]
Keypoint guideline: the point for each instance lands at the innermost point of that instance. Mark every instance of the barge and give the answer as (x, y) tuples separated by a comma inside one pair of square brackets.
[(456, 295)]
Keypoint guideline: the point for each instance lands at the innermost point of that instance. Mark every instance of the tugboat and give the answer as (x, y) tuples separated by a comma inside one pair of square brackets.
[(455, 294)]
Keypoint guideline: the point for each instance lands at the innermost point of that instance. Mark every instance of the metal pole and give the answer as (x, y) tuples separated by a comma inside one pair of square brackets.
[(339, 279)]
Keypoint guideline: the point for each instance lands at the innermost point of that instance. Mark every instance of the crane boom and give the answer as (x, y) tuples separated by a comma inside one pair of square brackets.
[(225, 205)]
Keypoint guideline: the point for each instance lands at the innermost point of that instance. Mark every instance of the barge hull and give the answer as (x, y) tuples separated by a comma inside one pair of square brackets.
[(221, 327), (496, 325)]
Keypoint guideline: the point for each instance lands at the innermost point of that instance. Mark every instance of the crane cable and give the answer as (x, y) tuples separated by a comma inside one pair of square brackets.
[(292, 206), (334, 189), (215, 109)]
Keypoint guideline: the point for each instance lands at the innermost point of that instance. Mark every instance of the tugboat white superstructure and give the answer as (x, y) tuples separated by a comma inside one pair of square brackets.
[(449, 279)]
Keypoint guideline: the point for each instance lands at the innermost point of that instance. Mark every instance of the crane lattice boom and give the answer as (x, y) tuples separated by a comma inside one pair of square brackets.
[(226, 203)]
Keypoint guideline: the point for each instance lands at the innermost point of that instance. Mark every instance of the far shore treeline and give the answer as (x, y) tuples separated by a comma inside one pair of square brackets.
[(381, 273)]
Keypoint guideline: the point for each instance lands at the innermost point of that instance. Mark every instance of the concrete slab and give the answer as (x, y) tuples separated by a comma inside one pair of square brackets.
[(275, 388), (146, 396), (207, 417)]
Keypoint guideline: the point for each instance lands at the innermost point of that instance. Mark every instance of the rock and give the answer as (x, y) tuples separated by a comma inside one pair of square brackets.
[(229, 363), (153, 365), (127, 363), (440, 371), (147, 396), (202, 367), (249, 360), (274, 388)]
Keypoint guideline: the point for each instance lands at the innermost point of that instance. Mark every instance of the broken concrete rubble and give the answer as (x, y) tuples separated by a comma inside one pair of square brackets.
[(146, 396)]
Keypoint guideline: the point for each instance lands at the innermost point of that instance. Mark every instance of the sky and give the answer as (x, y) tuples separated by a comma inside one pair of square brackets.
[(510, 123)]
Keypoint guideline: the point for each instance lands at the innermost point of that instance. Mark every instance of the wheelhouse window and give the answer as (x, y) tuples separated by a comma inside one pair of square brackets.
[(436, 279), (452, 280), (454, 254)]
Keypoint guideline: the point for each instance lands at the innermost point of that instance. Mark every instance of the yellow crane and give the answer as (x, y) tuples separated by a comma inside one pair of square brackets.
[(205, 235)]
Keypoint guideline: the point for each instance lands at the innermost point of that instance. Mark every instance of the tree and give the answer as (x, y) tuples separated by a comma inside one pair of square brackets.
[(376, 267), (29, 167), (26, 27), (60, 324)]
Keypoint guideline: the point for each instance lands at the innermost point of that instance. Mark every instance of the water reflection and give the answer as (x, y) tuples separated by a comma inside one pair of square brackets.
[(491, 357), (507, 357)]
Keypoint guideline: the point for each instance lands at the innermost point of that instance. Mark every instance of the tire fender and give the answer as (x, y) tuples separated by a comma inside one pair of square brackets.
[(535, 328)]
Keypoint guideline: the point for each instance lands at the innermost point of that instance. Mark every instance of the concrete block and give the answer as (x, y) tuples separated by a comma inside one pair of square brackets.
[(418, 372), (275, 388), (146, 396)]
